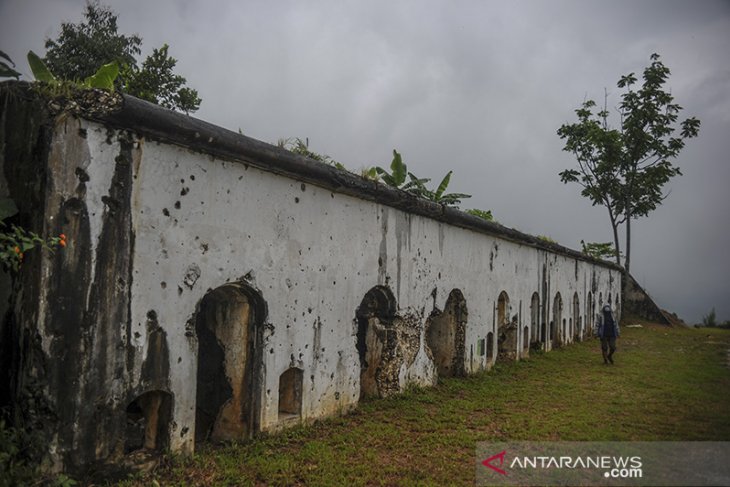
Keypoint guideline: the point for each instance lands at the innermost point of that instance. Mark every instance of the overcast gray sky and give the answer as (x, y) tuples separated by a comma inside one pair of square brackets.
[(474, 86)]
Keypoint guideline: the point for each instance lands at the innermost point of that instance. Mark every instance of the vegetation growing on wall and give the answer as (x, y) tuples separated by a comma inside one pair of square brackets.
[(396, 178), (484, 215), (301, 147), (6, 71), (103, 78), (15, 241), (598, 250), (546, 238), (81, 48)]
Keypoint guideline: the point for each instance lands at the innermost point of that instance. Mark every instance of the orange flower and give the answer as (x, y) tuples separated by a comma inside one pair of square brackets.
[(17, 249), (62, 243), (62, 237)]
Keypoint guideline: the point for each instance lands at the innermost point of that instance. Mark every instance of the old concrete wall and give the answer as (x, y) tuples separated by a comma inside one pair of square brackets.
[(183, 264)]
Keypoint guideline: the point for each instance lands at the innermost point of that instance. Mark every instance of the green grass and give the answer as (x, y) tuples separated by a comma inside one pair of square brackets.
[(667, 384)]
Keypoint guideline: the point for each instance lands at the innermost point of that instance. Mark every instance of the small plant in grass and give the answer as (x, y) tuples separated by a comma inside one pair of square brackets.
[(710, 319)]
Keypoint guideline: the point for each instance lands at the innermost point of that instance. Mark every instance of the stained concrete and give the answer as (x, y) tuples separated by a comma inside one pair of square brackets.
[(215, 287)]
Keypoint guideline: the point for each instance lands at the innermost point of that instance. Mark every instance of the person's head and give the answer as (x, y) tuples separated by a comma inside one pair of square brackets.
[(606, 308)]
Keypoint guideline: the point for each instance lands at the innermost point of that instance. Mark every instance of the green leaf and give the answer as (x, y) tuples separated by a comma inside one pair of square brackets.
[(7, 208), (8, 72), (398, 169), (5, 70), (444, 184), (39, 69), (104, 77), (484, 215), (370, 173), (6, 57), (26, 245)]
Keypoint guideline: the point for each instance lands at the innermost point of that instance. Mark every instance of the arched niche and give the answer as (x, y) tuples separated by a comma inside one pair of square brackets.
[(446, 334), (229, 327)]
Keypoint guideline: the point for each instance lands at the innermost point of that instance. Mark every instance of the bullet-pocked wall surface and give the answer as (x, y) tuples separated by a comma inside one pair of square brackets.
[(222, 296)]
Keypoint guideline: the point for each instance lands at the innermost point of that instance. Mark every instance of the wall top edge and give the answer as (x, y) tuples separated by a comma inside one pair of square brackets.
[(154, 122)]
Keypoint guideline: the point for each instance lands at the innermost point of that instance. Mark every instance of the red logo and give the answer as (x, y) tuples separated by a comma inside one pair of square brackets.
[(488, 462)]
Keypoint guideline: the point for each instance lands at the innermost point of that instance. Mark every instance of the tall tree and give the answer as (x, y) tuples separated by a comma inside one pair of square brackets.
[(82, 48), (156, 82), (626, 168)]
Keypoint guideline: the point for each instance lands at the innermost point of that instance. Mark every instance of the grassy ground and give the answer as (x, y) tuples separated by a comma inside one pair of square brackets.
[(667, 384)]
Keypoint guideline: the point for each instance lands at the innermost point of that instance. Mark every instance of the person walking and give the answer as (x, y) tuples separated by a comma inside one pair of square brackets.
[(608, 331)]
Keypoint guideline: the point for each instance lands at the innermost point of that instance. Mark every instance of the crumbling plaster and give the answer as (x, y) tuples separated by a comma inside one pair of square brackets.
[(165, 224), (313, 254)]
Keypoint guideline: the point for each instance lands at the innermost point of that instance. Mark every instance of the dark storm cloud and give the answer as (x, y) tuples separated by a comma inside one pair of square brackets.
[(477, 87)]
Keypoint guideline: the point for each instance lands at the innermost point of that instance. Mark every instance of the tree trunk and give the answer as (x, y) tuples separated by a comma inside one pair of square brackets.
[(627, 260), (616, 245)]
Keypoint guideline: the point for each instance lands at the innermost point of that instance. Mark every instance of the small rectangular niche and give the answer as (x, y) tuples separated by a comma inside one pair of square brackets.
[(290, 394)]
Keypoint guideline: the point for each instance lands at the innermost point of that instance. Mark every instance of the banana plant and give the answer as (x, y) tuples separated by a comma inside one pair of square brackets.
[(448, 199), (417, 185), (397, 178), (398, 171), (102, 79), (5, 70)]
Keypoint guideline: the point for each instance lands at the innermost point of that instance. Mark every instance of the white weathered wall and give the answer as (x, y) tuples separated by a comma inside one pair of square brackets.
[(313, 254)]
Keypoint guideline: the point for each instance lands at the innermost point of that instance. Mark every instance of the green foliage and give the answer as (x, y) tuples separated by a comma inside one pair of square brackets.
[(156, 83), (19, 456), (16, 241), (710, 319), (417, 186), (39, 69), (397, 179), (598, 250), (103, 78), (81, 48), (301, 147), (16, 467), (370, 173), (427, 436), (545, 238), (626, 168), (398, 171), (484, 215), (448, 199), (65, 481), (5, 70)]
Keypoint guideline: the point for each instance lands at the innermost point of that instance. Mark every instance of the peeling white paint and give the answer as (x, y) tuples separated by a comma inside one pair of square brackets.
[(200, 223)]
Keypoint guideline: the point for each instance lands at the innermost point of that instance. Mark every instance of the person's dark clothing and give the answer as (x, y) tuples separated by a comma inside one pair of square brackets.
[(607, 330)]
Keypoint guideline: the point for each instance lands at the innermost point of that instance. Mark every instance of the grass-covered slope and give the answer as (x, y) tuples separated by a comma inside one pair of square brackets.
[(667, 384)]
